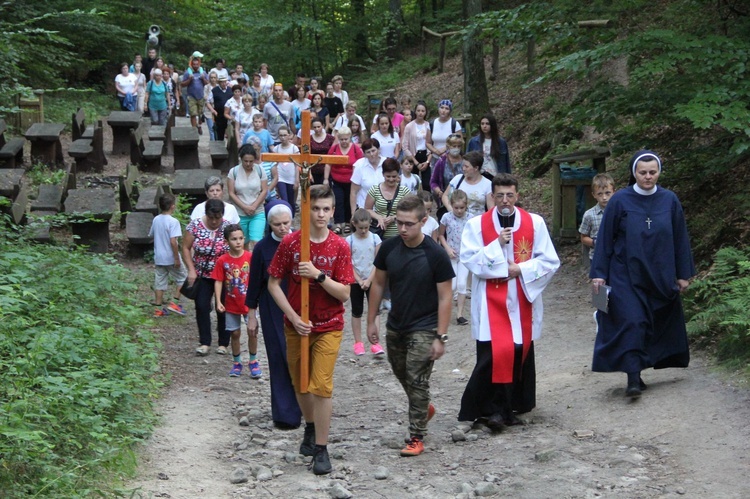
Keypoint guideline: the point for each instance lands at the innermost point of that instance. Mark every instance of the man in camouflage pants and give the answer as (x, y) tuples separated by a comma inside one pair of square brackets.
[(419, 274)]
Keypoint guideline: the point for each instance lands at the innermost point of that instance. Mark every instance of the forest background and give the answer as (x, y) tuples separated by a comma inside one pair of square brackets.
[(671, 75)]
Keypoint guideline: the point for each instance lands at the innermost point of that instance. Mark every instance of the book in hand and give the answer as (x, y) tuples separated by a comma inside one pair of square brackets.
[(601, 299)]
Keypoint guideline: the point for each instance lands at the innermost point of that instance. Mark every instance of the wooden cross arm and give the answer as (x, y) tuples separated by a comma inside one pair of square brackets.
[(305, 158)]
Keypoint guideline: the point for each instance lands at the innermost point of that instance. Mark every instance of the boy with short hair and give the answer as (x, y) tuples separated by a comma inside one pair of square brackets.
[(231, 277), (602, 188), (419, 275), (330, 273), (165, 229)]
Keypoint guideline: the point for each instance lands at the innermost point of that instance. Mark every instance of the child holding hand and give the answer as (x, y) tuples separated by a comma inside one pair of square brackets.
[(231, 276), (451, 227), (364, 246)]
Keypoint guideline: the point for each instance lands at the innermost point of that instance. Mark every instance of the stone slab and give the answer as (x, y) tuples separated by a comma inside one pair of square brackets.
[(49, 198), (192, 182), (99, 202), (10, 182), (137, 227)]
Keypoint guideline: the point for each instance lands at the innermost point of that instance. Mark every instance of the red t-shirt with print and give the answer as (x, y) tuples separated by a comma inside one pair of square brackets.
[(333, 257), (234, 272)]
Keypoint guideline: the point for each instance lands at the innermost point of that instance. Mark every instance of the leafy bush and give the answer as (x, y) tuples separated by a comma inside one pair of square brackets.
[(718, 307), (77, 371)]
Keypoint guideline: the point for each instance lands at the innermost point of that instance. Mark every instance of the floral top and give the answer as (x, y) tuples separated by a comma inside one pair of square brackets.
[(208, 246), (454, 227)]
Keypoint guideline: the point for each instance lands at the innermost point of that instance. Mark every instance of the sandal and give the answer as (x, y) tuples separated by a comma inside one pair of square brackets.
[(337, 229)]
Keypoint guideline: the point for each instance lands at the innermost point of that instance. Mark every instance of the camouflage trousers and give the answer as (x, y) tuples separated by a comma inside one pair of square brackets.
[(409, 356)]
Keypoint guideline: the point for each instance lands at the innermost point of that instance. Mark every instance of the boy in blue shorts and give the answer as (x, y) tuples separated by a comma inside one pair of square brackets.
[(231, 276), (165, 229)]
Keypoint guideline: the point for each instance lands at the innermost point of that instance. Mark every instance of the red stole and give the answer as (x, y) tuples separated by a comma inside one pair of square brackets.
[(501, 330)]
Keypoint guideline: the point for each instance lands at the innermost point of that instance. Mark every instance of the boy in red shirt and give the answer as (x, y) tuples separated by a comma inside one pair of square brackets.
[(232, 275), (330, 273)]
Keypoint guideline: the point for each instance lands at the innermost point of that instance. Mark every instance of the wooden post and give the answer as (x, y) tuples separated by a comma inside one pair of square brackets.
[(305, 161), (442, 54), (530, 54)]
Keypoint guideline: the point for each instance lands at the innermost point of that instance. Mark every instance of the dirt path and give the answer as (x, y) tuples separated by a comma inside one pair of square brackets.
[(688, 435)]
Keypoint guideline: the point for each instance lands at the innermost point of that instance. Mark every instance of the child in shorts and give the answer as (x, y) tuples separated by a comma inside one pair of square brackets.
[(364, 246), (231, 276), (602, 188), (451, 228), (329, 273), (430, 227), (412, 182), (165, 229)]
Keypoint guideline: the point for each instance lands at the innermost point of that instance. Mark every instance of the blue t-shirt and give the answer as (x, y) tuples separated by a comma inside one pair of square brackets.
[(265, 138)]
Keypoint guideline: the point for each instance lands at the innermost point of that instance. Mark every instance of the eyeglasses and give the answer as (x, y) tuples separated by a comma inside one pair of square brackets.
[(501, 195), (408, 225)]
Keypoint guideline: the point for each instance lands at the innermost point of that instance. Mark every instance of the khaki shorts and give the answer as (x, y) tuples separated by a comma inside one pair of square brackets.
[(195, 106), (324, 349)]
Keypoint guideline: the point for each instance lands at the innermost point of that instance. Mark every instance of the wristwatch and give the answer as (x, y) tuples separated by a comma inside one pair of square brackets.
[(321, 277), (442, 337)]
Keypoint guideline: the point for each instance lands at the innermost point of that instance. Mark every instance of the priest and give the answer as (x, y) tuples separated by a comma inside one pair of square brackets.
[(512, 257)]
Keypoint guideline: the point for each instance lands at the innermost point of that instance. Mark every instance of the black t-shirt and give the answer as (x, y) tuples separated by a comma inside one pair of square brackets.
[(413, 274), (221, 97), (334, 105)]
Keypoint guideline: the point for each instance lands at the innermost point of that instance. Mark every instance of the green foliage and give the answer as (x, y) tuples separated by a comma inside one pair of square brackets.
[(77, 372), (717, 307), (61, 104), (40, 174)]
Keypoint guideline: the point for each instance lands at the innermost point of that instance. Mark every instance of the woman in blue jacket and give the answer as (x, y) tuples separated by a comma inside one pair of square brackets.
[(492, 145)]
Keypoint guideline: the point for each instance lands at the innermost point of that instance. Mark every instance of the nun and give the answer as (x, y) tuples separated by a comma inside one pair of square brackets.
[(285, 411), (642, 252)]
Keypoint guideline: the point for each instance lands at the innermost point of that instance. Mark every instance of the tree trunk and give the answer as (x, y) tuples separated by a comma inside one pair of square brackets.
[(360, 35), (395, 25), (475, 83)]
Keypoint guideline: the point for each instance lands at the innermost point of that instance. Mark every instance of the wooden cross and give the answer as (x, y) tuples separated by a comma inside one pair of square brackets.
[(305, 162)]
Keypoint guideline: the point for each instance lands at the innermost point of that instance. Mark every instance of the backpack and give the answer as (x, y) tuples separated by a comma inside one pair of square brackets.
[(454, 124)]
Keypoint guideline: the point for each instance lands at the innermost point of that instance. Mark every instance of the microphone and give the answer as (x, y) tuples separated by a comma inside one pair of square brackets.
[(505, 214)]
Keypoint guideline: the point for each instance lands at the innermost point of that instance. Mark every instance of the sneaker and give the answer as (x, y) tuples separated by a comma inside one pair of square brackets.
[(236, 370), (222, 350), (202, 350), (414, 448), (386, 305), (307, 447), (176, 308), (321, 462), (430, 412), (376, 349), (461, 321), (255, 371), (359, 348), (161, 312)]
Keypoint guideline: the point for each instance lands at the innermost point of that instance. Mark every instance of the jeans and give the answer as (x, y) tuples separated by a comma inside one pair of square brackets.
[(158, 118), (210, 125), (203, 306)]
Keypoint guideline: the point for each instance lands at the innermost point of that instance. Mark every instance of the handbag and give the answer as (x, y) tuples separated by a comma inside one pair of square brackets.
[(191, 291), (374, 227)]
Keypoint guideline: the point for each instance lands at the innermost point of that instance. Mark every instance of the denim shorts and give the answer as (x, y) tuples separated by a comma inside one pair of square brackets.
[(234, 321)]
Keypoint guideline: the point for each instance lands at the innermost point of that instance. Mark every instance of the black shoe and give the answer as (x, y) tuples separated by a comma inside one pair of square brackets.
[(285, 426), (495, 422), (321, 462), (642, 385), (307, 447), (633, 390), (461, 321)]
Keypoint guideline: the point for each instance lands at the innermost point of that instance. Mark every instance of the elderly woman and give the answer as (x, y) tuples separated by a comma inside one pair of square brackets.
[(368, 171), (492, 145), (477, 188), (414, 143), (383, 198), (285, 411), (247, 184), (158, 102), (340, 177), (203, 244), (643, 252), (447, 166), (234, 105), (125, 83), (214, 187)]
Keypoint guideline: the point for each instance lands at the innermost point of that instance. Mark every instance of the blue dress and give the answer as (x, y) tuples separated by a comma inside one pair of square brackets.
[(284, 407), (641, 250)]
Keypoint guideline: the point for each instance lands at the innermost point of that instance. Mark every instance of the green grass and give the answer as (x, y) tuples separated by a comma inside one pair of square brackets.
[(78, 371), (60, 105)]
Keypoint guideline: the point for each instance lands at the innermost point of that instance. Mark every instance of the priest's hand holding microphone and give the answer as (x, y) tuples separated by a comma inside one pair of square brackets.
[(504, 238)]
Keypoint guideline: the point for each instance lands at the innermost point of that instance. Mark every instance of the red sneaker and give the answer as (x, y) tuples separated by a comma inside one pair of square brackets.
[(414, 448)]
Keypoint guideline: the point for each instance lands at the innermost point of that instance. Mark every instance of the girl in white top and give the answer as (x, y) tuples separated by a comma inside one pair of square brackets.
[(285, 171), (338, 82), (441, 128), (431, 226), (390, 142), (244, 118), (301, 102), (266, 80), (451, 228), (409, 180), (364, 246)]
